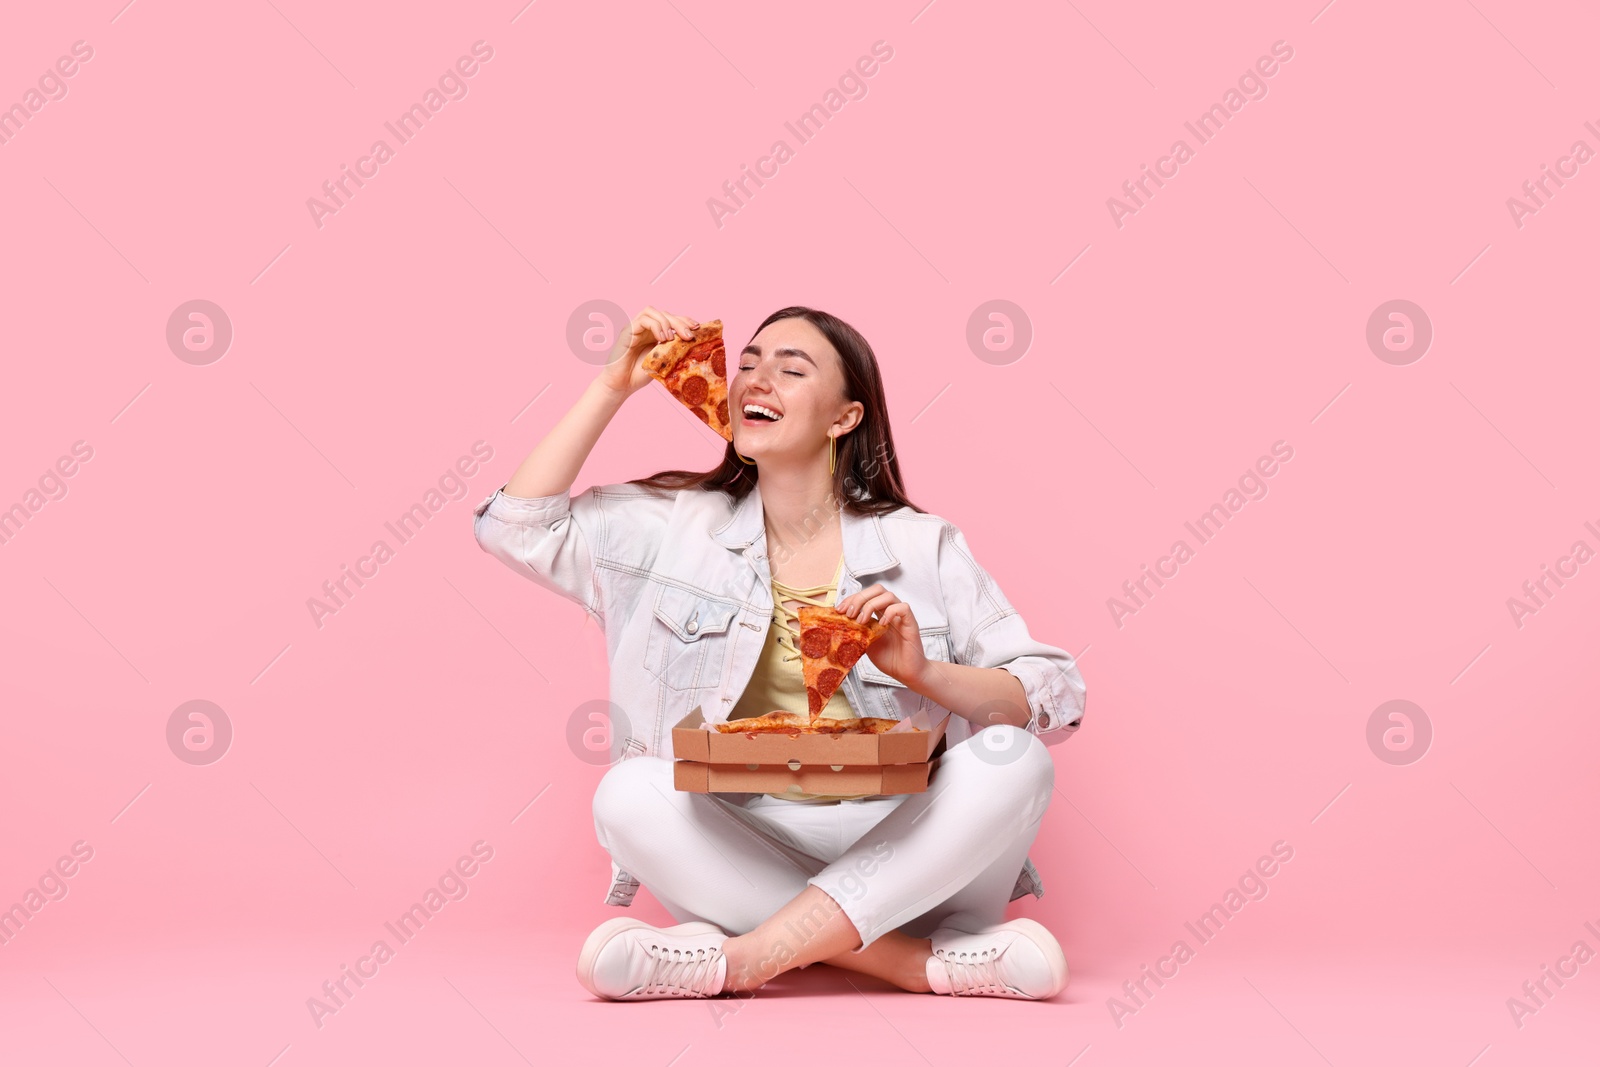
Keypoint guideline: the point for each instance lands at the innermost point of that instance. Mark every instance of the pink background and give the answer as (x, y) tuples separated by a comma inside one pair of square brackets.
[(368, 355)]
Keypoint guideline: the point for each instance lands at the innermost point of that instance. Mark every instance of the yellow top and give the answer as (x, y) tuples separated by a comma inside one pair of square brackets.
[(778, 682)]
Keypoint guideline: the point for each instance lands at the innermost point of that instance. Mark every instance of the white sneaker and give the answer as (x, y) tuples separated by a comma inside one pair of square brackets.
[(1015, 959), (626, 959)]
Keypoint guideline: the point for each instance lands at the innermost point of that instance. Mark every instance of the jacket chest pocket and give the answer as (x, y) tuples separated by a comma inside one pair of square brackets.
[(889, 697), (687, 637)]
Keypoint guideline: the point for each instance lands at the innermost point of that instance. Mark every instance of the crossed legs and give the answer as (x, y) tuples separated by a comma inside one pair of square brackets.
[(858, 885), (767, 951)]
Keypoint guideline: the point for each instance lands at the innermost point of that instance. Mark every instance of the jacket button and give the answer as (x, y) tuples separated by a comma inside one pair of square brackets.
[(1044, 720), (693, 626)]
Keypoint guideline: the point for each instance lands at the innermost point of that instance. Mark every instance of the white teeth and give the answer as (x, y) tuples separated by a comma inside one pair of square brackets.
[(765, 411)]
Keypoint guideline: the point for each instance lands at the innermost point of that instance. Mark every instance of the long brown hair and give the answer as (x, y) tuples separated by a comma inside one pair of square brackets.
[(866, 477)]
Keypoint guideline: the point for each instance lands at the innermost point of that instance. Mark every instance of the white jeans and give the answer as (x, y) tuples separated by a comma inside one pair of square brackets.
[(914, 861)]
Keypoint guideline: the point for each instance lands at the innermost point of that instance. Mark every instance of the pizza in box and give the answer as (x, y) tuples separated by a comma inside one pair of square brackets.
[(785, 722)]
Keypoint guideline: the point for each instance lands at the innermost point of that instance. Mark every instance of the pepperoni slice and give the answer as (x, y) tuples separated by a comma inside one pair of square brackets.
[(719, 362), (814, 644), (849, 651), (695, 390), (830, 679), (722, 412), (703, 416), (814, 699)]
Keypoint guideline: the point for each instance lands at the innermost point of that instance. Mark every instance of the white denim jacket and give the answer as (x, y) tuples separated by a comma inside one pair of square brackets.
[(679, 582)]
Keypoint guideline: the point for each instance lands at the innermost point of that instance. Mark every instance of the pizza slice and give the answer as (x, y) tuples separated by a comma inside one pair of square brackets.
[(770, 723), (830, 644), (879, 726), (788, 722), (696, 372)]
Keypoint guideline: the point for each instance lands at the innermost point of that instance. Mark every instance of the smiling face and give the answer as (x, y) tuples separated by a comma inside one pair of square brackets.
[(791, 371)]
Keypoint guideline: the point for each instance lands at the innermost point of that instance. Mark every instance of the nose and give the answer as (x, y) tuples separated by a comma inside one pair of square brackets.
[(755, 382)]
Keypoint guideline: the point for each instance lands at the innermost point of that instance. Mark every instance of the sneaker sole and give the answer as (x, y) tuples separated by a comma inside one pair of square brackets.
[(611, 928)]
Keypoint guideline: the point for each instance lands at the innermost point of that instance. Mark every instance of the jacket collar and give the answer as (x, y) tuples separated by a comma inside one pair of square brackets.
[(866, 550)]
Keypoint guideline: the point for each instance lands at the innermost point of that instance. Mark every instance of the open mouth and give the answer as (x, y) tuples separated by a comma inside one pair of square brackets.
[(760, 413)]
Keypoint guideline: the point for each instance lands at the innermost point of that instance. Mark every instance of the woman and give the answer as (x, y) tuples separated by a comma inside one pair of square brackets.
[(696, 579)]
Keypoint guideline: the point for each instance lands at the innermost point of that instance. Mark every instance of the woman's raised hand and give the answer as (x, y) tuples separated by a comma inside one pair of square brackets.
[(553, 465), (625, 372)]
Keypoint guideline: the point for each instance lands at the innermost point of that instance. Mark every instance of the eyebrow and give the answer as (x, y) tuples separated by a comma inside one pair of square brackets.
[(755, 350)]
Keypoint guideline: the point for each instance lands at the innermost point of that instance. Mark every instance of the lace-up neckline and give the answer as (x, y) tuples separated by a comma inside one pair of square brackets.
[(787, 620)]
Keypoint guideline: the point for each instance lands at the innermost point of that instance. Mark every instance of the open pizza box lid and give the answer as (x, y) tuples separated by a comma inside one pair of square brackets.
[(694, 739)]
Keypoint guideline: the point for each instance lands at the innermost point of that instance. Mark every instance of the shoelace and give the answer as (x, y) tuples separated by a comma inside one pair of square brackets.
[(976, 972), (681, 972)]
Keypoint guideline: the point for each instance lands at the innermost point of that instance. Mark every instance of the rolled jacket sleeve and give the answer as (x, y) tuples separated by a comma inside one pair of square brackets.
[(576, 546), (548, 540), (986, 631)]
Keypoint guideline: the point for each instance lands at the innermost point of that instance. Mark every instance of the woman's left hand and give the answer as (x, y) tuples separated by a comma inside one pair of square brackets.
[(898, 653)]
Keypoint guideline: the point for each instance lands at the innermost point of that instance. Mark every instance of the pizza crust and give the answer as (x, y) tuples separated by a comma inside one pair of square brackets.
[(663, 356), (677, 362), (789, 722)]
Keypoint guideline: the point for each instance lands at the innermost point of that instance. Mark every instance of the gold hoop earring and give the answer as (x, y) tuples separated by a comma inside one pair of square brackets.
[(743, 460), (832, 449)]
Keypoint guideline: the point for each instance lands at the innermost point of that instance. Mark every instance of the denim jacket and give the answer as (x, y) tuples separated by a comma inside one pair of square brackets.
[(678, 581)]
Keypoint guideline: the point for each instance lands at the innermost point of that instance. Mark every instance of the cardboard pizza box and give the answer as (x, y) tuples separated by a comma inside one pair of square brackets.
[(708, 761)]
